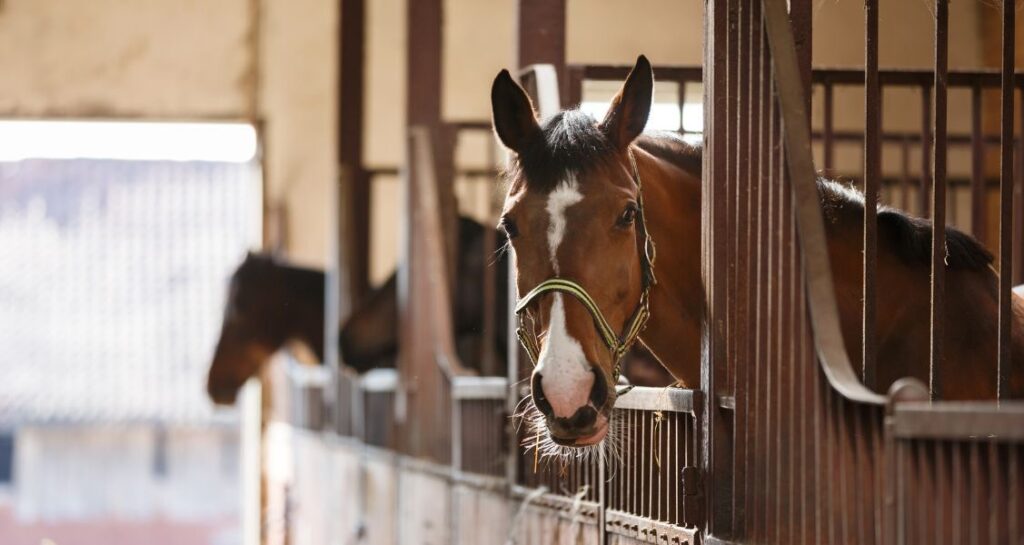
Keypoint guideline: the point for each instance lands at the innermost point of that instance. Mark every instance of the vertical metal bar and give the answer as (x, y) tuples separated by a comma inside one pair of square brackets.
[(1015, 487), (1006, 202), (872, 174), (957, 492), (716, 449), (1018, 216), (978, 186), (828, 129), (905, 174), (938, 284), (974, 480), (926, 152), (995, 500)]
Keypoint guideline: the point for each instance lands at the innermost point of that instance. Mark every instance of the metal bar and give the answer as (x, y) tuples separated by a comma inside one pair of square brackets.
[(978, 194), (926, 151), (960, 421), (1018, 229), (351, 77), (938, 202), (1006, 204), (905, 175), (897, 137), (733, 165), (890, 77), (715, 443), (828, 129), (473, 387), (915, 78), (659, 399), (872, 174)]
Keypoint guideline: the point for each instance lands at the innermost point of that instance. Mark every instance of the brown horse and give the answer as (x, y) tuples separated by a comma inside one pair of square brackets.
[(268, 304), (573, 211)]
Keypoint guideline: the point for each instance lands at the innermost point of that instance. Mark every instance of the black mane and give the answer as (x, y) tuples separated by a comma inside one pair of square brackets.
[(568, 143), (911, 235)]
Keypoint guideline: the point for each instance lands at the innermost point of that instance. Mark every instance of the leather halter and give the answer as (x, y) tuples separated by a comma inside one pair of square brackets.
[(618, 344)]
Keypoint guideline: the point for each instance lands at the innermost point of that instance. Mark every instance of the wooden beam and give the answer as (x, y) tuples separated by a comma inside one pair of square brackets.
[(424, 90), (354, 194), (541, 36)]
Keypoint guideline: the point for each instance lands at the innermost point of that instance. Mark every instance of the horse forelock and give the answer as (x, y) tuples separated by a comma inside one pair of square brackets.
[(569, 143)]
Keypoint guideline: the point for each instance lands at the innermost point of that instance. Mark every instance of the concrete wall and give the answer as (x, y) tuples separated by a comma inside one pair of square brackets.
[(272, 62), (134, 58), (298, 107)]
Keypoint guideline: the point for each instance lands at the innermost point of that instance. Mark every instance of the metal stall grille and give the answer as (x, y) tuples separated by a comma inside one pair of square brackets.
[(792, 455)]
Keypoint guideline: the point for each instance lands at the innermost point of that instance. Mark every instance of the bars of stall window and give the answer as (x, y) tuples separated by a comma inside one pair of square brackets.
[(938, 200), (872, 175), (1006, 200)]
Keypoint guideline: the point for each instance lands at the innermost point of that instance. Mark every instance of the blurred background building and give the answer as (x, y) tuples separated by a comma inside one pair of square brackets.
[(111, 294)]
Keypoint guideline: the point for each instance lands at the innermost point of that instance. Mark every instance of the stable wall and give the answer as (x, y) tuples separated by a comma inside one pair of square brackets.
[(269, 62)]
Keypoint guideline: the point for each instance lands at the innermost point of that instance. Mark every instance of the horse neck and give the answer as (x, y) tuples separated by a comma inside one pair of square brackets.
[(304, 304), (671, 194)]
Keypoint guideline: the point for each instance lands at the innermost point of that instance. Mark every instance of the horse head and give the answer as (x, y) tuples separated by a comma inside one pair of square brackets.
[(574, 217), (268, 304)]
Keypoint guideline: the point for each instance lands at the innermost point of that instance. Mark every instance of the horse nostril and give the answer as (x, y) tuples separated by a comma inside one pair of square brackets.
[(538, 396), (599, 391)]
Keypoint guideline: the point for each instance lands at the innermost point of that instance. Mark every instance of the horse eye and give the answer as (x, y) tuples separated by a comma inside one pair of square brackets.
[(628, 216), (509, 227)]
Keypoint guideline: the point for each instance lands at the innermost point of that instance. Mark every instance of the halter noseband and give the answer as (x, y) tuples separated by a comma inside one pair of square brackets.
[(616, 343)]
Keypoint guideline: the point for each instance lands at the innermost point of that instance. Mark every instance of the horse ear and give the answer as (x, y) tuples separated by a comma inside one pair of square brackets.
[(627, 115), (512, 112)]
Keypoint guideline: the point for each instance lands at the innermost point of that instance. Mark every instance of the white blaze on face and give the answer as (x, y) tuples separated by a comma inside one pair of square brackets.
[(566, 375), (562, 197)]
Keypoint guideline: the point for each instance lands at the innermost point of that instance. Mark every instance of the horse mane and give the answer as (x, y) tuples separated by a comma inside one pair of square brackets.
[(261, 268), (669, 146), (912, 236), (569, 142)]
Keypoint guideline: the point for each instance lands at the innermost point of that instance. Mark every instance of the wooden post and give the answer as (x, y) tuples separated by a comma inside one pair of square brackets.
[(354, 190), (542, 37)]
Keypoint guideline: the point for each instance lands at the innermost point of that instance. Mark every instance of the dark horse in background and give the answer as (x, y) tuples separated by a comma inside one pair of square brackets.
[(271, 303)]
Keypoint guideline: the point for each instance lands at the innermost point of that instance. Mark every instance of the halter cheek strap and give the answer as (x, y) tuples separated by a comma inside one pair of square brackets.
[(618, 344)]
